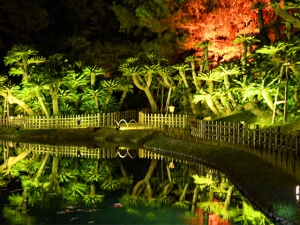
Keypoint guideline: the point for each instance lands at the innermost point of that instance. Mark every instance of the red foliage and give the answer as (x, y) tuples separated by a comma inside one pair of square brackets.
[(220, 22)]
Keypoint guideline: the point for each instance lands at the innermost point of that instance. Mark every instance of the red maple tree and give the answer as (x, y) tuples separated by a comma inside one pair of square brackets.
[(220, 22)]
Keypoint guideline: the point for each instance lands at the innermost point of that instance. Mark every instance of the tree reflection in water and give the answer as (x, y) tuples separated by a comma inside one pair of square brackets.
[(48, 184)]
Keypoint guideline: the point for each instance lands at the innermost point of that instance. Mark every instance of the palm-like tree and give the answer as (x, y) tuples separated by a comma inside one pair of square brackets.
[(53, 177), (75, 80), (181, 94), (89, 107), (55, 71), (182, 68), (95, 95), (74, 191), (206, 97), (277, 55), (142, 78), (228, 71), (205, 57), (166, 80), (192, 60), (247, 41), (95, 174), (109, 86), (8, 90), (67, 109), (145, 182), (92, 72), (21, 58), (125, 85), (211, 77), (111, 106), (67, 96), (265, 88), (36, 87)]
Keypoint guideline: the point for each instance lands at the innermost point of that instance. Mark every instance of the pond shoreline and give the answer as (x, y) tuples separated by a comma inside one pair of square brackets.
[(257, 180)]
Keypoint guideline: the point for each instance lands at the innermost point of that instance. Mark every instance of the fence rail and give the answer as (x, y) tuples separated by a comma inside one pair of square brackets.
[(271, 143), (158, 120), (277, 148), (71, 121), (238, 134)]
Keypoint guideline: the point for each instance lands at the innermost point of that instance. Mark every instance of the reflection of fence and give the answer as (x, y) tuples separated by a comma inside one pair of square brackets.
[(158, 120), (79, 151), (70, 121)]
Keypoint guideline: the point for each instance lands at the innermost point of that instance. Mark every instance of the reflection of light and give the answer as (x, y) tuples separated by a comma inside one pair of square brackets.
[(171, 165), (126, 153), (171, 109), (297, 192)]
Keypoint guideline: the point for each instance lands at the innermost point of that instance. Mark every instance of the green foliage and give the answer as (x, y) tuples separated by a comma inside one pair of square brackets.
[(111, 184), (93, 176), (66, 109), (89, 107), (129, 200), (75, 190), (93, 199), (182, 205), (15, 200), (66, 176)]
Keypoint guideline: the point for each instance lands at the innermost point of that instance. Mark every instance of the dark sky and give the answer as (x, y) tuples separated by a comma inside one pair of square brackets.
[(72, 27)]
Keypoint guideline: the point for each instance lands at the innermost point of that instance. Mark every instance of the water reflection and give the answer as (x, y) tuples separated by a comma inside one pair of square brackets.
[(49, 184)]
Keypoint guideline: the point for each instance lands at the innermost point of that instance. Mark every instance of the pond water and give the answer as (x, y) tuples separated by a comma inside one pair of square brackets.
[(47, 184)]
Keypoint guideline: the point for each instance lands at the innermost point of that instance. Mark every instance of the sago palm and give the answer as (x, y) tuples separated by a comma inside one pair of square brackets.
[(264, 89), (21, 58)]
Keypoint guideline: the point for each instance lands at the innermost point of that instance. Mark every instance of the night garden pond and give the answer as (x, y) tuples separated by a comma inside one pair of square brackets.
[(53, 184)]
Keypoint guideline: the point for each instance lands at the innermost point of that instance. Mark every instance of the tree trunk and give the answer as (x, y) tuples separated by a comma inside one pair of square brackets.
[(269, 101), (195, 197), (12, 99), (54, 103), (41, 101), (42, 168), (194, 106), (167, 189), (151, 101), (296, 97), (285, 15), (182, 196), (218, 105), (125, 178), (53, 177), (124, 94), (230, 95), (93, 189), (145, 87), (196, 83), (14, 160), (146, 179), (182, 74), (211, 105), (228, 197)]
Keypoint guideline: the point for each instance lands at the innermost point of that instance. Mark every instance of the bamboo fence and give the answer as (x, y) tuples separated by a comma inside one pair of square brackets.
[(156, 120), (71, 121), (271, 143), (274, 146)]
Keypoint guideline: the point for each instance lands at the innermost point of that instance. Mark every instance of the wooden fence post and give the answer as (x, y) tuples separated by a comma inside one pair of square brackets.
[(297, 143), (256, 136)]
